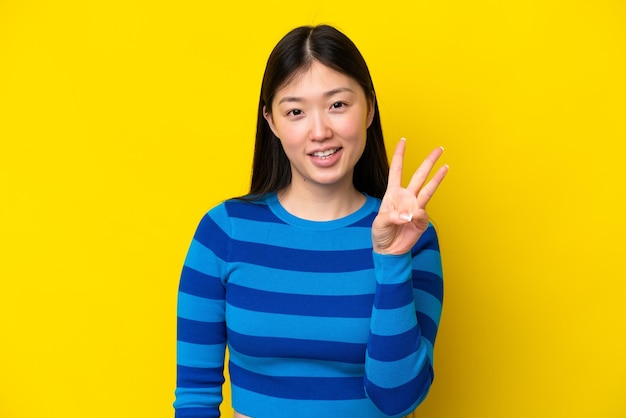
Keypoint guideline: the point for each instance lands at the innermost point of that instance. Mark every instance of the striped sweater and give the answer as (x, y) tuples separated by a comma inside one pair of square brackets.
[(316, 323)]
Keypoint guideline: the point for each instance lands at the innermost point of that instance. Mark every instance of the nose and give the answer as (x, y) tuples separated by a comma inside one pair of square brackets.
[(319, 129)]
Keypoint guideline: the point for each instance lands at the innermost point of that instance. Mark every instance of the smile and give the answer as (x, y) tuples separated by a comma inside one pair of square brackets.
[(325, 154)]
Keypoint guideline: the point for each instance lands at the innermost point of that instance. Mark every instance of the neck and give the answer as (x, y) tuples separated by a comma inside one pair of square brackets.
[(320, 204)]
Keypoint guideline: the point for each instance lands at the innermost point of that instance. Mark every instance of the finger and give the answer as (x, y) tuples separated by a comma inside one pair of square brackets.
[(429, 189), (420, 175), (395, 169)]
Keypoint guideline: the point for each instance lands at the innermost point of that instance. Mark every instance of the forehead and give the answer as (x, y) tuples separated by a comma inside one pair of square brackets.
[(317, 79)]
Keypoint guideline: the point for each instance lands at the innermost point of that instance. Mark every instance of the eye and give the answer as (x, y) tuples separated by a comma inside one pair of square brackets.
[(295, 112), (338, 105)]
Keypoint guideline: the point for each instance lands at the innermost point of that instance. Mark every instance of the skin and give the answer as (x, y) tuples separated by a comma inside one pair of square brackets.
[(323, 109), (402, 217)]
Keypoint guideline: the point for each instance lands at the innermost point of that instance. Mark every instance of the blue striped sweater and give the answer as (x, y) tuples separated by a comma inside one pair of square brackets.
[(316, 323)]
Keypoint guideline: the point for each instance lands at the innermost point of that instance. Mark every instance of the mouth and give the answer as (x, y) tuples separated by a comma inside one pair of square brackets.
[(326, 153)]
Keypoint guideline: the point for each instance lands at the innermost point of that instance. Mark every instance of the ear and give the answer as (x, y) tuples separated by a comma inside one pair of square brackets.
[(371, 110), (270, 121)]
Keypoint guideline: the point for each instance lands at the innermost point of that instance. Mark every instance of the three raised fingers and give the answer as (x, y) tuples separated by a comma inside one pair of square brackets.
[(416, 186)]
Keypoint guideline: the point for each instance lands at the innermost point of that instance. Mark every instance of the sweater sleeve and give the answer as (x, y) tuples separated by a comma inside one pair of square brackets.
[(405, 318), (201, 329)]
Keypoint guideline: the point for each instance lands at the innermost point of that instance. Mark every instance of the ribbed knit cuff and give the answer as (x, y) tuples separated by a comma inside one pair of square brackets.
[(392, 269)]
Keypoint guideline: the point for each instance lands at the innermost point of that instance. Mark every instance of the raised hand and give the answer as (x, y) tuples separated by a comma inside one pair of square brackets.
[(402, 217)]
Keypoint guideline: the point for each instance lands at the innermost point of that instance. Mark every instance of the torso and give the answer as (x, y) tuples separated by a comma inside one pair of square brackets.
[(314, 317)]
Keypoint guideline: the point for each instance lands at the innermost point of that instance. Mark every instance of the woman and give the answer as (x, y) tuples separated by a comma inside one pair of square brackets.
[(327, 297)]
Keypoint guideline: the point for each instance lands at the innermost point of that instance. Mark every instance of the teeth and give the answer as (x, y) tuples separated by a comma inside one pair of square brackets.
[(325, 153)]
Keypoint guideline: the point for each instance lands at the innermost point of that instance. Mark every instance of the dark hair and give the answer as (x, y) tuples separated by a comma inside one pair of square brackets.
[(294, 53)]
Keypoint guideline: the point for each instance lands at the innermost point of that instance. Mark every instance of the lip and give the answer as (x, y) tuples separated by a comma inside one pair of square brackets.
[(311, 154), (326, 161)]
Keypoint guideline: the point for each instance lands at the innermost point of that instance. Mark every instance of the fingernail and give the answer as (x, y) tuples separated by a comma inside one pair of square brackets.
[(407, 217), (442, 148), (403, 139)]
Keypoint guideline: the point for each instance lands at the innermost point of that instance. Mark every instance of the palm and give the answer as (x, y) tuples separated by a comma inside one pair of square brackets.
[(402, 217)]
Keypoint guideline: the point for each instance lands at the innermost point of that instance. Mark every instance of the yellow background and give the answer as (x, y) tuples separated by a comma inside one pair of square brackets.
[(122, 122)]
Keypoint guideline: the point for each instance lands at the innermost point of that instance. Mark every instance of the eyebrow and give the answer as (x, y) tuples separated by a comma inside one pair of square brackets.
[(329, 93)]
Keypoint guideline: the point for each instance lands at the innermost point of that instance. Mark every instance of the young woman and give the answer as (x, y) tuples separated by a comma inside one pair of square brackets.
[(325, 280)]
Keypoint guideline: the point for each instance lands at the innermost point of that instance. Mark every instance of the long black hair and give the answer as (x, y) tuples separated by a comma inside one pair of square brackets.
[(294, 53)]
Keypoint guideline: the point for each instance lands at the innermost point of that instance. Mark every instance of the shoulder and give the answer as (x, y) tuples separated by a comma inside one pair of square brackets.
[(365, 216), (428, 241), (373, 201), (247, 207), (231, 210)]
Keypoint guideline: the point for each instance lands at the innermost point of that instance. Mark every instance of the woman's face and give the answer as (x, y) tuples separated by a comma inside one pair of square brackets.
[(321, 118)]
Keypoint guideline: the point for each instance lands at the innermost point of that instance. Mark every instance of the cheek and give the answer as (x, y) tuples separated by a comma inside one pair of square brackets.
[(290, 135), (291, 140), (355, 128)]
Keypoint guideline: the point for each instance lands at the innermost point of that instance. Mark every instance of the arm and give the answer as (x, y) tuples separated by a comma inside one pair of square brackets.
[(404, 321), (201, 330), (405, 318)]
